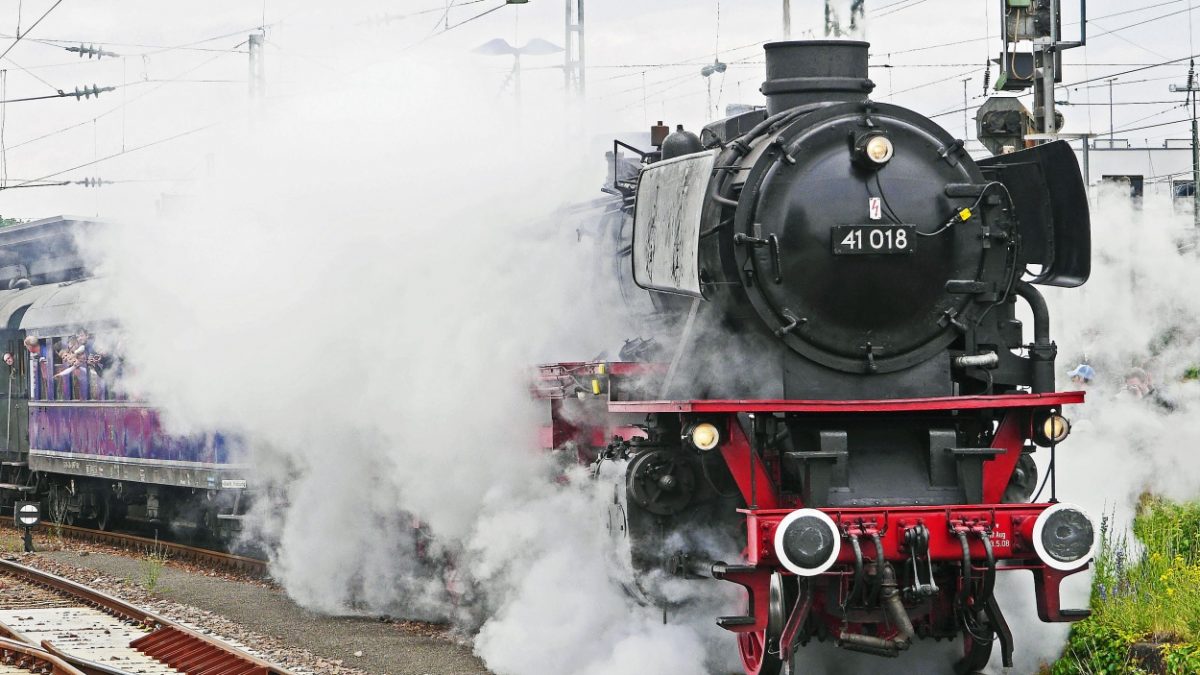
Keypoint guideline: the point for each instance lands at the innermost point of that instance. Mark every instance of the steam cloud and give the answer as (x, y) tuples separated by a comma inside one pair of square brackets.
[(358, 296)]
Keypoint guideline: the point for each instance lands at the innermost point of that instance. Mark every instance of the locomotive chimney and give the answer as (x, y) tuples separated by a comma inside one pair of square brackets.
[(813, 71)]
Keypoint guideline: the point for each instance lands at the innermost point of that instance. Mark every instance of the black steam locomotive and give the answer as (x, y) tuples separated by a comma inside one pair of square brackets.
[(842, 391)]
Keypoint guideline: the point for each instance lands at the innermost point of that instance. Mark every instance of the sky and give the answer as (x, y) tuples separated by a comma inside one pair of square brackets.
[(183, 67)]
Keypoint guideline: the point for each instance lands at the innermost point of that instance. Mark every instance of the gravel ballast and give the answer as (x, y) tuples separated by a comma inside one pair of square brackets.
[(260, 617)]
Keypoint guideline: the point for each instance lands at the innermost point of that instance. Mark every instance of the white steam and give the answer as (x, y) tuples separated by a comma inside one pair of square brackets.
[(359, 296), (1138, 310)]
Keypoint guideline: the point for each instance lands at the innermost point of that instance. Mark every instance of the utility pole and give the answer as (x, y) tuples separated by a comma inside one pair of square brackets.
[(966, 114), (1192, 87), (1195, 147), (1048, 52), (1111, 124), (574, 65), (258, 79), (787, 19)]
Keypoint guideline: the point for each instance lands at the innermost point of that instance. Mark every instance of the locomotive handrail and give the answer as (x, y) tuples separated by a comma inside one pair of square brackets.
[(881, 405)]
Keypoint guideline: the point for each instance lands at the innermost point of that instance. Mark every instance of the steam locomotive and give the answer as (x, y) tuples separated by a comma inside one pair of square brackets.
[(839, 411)]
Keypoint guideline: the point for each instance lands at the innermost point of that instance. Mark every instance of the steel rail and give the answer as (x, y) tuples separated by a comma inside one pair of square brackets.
[(174, 551), (26, 657), (167, 641)]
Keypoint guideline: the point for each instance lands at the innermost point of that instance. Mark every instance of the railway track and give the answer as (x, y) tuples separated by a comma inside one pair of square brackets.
[(173, 551), (17, 658), (51, 625)]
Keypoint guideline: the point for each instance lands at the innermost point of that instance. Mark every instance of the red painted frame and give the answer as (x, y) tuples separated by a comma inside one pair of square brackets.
[(1009, 525), (868, 406)]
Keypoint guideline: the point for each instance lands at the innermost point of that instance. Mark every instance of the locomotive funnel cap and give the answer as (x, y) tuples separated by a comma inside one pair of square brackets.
[(811, 71)]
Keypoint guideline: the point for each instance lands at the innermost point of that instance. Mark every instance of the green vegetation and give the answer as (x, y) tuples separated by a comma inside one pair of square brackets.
[(154, 559), (1145, 598), (9, 222)]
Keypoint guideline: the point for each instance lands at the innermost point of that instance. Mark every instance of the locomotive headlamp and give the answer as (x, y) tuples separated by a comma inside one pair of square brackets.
[(873, 150), (807, 542), (1064, 537), (704, 436), (880, 149), (1051, 429), (1056, 428)]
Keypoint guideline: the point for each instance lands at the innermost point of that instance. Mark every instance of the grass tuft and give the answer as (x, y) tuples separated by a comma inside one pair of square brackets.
[(1145, 597), (154, 560)]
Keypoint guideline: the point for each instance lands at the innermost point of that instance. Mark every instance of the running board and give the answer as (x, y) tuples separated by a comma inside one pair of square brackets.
[(731, 623)]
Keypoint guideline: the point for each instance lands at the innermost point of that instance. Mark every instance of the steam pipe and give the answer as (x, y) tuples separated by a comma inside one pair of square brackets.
[(985, 360), (1041, 312), (1042, 352), (896, 614), (740, 147), (699, 567)]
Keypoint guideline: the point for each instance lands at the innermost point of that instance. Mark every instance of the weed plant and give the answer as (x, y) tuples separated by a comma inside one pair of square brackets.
[(1145, 591), (154, 560)]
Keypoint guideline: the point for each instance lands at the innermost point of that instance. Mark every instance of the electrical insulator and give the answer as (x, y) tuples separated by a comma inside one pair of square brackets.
[(88, 92), (90, 51)]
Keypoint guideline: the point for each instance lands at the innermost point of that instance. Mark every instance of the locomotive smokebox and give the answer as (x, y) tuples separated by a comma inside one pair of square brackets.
[(815, 71)]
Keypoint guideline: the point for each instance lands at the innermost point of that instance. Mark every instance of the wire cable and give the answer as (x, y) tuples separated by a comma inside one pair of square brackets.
[(27, 30), (112, 156), (447, 29), (122, 105), (900, 9)]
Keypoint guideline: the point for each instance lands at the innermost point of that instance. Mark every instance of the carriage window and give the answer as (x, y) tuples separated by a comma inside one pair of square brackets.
[(16, 358)]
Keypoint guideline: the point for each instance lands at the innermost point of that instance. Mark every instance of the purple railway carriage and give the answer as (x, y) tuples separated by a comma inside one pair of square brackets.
[(86, 448)]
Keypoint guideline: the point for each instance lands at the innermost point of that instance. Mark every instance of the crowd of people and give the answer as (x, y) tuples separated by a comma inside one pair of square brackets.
[(1137, 383), (73, 355)]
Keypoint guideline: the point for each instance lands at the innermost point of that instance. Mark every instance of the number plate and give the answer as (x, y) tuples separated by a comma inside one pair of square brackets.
[(873, 239)]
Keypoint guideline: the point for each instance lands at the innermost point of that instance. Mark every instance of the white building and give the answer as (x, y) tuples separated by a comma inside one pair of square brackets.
[(1162, 171)]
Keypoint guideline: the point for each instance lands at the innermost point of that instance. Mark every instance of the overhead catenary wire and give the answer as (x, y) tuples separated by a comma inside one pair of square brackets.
[(32, 74), (693, 62), (17, 39), (955, 43), (449, 28), (1088, 80), (114, 155), (911, 4), (59, 43), (86, 92), (388, 18), (674, 82), (122, 105)]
